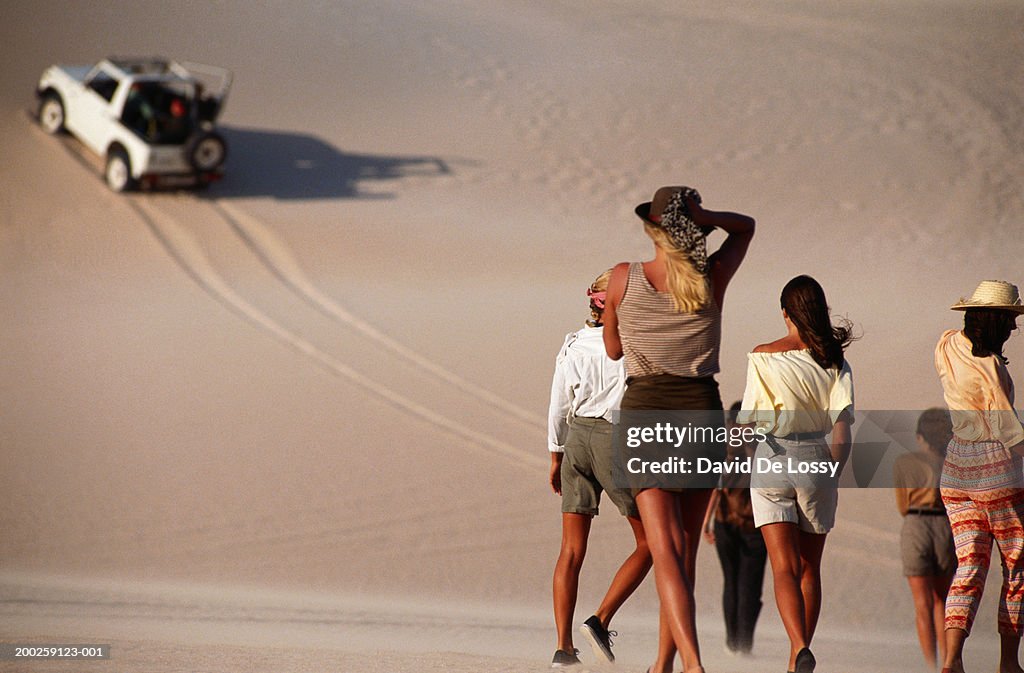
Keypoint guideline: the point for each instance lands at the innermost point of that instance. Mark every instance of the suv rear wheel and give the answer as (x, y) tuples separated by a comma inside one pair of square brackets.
[(118, 173)]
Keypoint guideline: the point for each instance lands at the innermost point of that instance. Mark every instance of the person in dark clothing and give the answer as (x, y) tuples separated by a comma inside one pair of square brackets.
[(729, 525)]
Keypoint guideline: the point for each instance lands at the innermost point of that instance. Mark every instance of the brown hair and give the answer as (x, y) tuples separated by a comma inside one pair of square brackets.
[(804, 303), (988, 329), (936, 428)]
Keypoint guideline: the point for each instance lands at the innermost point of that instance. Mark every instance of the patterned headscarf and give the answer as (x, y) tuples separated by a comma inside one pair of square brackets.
[(684, 232)]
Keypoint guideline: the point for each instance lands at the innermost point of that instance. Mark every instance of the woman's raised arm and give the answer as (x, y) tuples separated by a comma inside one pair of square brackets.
[(724, 262)]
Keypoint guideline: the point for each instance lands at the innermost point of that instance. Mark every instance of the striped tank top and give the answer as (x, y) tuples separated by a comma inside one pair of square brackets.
[(657, 339)]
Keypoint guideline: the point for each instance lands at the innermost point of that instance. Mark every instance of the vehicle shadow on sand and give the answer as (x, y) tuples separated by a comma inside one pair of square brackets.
[(288, 165)]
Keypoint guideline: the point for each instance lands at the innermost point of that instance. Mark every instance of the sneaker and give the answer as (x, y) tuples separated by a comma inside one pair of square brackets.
[(562, 659), (599, 637)]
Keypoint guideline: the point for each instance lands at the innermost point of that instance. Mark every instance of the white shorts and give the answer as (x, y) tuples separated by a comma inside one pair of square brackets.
[(809, 501)]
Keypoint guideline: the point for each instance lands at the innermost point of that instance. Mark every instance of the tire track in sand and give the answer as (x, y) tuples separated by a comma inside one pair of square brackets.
[(279, 260), (190, 256)]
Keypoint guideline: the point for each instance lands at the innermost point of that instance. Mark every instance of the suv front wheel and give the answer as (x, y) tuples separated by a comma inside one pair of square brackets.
[(51, 113)]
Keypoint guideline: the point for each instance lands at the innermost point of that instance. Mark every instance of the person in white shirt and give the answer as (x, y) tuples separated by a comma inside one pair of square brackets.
[(586, 388)]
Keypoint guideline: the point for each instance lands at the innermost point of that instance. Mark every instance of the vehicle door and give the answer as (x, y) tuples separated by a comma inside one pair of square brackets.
[(213, 85), (91, 115)]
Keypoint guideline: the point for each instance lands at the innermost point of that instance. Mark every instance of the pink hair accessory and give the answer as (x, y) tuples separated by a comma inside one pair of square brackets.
[(597, 298)]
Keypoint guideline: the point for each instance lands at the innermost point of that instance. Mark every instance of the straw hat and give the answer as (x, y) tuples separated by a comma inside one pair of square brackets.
[(993, 294)]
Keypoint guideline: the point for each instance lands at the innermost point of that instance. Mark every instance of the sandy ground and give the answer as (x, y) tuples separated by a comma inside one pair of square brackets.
[(296, 422)]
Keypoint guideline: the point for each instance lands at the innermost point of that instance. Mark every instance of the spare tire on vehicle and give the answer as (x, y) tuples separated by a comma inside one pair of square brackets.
[(206, 151)]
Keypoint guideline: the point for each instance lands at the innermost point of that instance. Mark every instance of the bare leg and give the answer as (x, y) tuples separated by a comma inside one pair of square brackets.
[(954, 660), (629, 576), (575, 531), (783, 543), (811, 547), (666, 645), (695, 504), (924, 615), (692, 502), (940, 589), (665, 524)]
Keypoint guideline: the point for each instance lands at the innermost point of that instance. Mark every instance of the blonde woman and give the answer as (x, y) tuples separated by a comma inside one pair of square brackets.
[(664, 316), (585, 389), (982, 485)]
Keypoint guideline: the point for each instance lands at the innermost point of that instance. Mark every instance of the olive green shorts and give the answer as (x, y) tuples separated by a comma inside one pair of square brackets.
[(587, 470)]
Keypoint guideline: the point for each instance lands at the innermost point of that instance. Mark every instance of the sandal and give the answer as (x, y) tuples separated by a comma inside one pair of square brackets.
[(805, 662)]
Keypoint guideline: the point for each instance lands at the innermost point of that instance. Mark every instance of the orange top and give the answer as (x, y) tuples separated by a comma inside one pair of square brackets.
[(978, 392)]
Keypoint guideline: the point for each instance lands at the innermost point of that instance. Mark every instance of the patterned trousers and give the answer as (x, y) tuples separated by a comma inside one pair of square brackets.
[(983, 490)]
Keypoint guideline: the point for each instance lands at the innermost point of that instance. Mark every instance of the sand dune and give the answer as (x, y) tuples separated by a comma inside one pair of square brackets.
[(297, 421)]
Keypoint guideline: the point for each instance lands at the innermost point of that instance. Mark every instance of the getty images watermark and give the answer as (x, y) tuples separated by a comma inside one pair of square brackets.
[(698, 449)]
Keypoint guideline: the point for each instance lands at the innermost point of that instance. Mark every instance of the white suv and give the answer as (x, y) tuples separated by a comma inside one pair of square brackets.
[(152, 120)]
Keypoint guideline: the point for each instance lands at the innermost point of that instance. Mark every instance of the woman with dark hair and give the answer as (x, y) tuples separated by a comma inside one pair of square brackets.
[(800, 389), (926, 541), (664, 316), (982, 484)]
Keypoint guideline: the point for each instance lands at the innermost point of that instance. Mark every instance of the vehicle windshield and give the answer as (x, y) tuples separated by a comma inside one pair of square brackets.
[(162, 113)]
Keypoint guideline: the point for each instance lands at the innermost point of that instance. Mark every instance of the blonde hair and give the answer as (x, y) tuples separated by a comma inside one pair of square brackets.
[(689, 287), (600, 284)]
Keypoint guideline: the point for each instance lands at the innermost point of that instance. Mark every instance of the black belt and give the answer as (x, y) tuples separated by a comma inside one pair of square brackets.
[(927, 512), (778, 449), (803, 436)]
